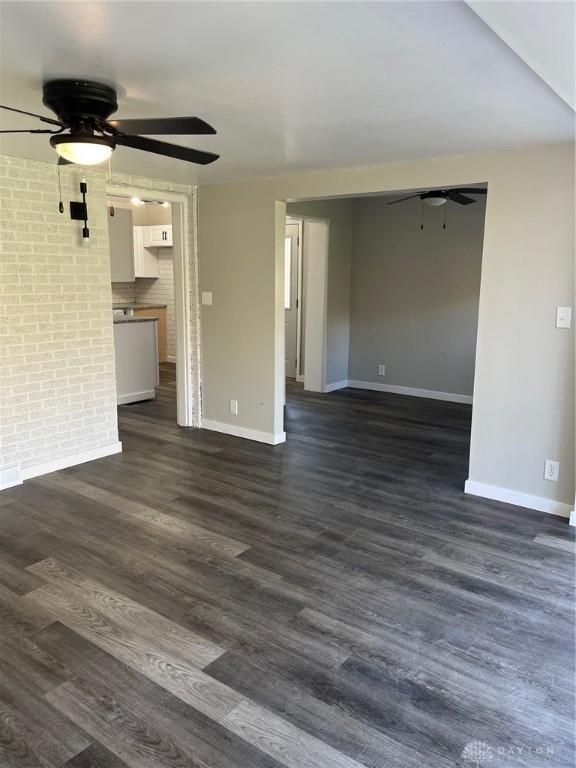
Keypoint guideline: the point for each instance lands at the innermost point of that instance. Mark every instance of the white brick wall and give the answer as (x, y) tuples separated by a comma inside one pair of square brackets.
[(57, 387)]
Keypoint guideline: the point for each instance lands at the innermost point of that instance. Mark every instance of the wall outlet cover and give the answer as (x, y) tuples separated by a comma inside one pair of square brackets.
[(207, 298), (551, 470), (234, 407), (381, 370)]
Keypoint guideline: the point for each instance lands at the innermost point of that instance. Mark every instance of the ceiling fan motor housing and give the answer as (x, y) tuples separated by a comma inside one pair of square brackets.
[(79, 102)]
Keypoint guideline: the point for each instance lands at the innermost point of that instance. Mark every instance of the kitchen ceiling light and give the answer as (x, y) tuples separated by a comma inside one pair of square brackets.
[(136, 201), (165, 204), (83, 150)]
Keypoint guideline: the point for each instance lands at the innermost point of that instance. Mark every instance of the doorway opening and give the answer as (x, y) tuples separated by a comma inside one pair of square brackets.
[(392, 298), (305, 296), (149, 255)]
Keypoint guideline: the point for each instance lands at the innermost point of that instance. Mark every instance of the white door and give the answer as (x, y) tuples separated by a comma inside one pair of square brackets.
[(291, 299)]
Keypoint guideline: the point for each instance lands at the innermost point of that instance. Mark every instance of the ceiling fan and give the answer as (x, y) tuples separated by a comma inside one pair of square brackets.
[(438, 197), (83, 134)]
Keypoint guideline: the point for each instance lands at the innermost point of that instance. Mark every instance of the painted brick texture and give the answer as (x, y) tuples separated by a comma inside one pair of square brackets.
[(57, 391), (57, 385)]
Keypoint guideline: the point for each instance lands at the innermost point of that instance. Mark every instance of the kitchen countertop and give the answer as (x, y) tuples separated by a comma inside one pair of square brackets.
[(133, 319), (137, 305)]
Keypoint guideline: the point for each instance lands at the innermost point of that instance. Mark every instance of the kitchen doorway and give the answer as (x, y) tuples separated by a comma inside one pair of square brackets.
[(180, 360)]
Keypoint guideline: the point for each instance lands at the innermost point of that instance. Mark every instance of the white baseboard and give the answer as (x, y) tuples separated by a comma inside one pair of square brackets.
[(248, 434), (9, 477), (136, 397), (15, 476), (517, 498), (432, 394), (336, 385), (573, 517)]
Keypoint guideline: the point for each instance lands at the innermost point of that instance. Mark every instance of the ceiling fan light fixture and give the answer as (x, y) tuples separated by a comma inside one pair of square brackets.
[(83, 150), (435, 201)]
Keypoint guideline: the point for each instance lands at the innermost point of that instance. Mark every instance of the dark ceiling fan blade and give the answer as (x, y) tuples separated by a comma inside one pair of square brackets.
[(401, 200), (33, 114), (456, 197), (33, 130), (169, 150), (471, 191), (163, 126)]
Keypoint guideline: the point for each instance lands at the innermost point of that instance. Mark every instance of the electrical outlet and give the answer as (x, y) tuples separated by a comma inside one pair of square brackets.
[(551, 470), (381, 370), (234, 407)]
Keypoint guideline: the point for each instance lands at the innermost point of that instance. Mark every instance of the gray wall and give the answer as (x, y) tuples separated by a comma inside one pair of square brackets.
[(339, 213), (524, 379), (415, 294)]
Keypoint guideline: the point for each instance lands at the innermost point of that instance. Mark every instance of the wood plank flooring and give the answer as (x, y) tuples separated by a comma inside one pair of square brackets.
[(200, 601)]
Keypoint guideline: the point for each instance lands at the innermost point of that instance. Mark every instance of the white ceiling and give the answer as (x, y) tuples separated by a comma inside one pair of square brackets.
[(543, 34), (288, 85)]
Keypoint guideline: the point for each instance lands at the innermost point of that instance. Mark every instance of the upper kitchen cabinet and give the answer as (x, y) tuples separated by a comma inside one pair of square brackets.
[(158, 236), (146, 261), (121, 236)]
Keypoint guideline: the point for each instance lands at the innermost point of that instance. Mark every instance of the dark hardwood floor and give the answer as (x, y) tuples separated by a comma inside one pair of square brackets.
[(201, 601)]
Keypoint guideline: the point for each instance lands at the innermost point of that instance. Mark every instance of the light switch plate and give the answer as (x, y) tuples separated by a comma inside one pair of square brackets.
[(563, 317), (207, 298)]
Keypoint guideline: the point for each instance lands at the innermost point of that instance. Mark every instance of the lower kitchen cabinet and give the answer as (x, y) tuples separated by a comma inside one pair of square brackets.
[(136, 356)]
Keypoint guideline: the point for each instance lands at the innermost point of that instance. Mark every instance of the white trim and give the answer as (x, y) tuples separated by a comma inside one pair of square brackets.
[(432, 394), (316, 248), (182, 249), (10, 477), (573, 517), (336, 385), (136, 397), (299, 293), (247, 434), (66, 461), (517, 498)]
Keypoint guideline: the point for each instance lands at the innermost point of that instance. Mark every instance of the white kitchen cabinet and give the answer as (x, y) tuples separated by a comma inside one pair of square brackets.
[(146, 261), (158, 236), (136, 354), (121, 236)]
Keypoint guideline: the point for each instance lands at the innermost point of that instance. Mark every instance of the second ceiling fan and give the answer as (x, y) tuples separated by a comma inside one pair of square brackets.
[(436, 197), (83, 134)]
